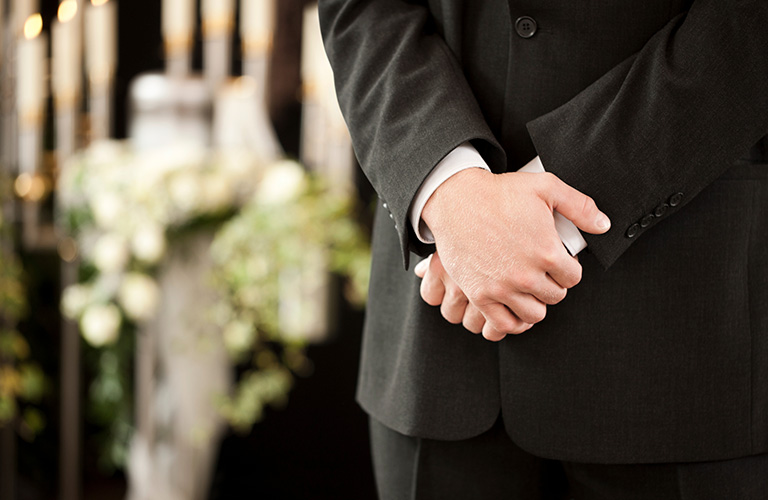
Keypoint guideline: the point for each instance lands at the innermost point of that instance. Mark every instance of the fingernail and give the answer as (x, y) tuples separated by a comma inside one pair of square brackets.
[(603, 222)]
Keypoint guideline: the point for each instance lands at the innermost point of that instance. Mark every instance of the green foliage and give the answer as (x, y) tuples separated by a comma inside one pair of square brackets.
[(253, 254), (22, 382)]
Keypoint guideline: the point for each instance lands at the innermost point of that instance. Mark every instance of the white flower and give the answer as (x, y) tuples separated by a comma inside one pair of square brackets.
[(148, 243), (75, 299), (216, 193), (139, 296), (238, 336), (185, 190), (107, 209), (282, 182), (110, 253), (100, 324)]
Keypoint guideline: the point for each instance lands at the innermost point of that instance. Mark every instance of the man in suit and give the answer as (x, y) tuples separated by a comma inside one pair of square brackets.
[(648, 378)]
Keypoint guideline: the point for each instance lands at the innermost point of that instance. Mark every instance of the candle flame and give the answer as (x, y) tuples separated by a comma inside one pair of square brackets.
[(67, 10), (33, 26), (96, 3)]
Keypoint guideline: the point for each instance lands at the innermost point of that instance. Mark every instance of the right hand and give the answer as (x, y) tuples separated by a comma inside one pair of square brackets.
[(497, 240)]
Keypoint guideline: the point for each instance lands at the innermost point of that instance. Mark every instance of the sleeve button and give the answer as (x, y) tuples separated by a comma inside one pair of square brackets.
[(661, 210), (633, 230), (675, 199), (646, 221)]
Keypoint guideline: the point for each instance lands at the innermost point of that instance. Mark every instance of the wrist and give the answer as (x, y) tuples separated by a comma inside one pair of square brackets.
[(442, 205)]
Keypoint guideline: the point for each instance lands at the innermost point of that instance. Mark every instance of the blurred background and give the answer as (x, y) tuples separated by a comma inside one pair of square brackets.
[(184, 252)]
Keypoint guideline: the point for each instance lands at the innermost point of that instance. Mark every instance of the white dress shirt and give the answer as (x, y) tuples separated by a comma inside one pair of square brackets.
[(466, 156)]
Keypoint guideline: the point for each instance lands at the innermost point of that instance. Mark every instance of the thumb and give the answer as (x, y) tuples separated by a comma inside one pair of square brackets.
[(579, 208)]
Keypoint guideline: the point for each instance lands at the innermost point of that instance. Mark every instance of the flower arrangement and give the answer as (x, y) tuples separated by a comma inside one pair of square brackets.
[(294, 226), (125, 211), (122, 208)]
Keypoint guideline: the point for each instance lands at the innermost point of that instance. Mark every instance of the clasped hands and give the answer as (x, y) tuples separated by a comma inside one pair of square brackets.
[(499, 261)]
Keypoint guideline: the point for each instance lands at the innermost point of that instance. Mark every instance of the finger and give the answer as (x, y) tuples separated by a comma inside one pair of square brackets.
[(432, 289), (421, 267), (575, 205), (546, 289), (565, 273), (454, 302), (498, 317), (473, 319), (490, 333), (527, 308), (551, 293)]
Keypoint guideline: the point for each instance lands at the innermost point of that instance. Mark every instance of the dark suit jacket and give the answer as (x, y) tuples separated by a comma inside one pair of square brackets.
[(652, 108)]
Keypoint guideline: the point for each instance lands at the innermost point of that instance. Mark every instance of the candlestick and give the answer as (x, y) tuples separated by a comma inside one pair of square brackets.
[(257, 21), (178, 35), (20, 12), (67, 59), (311, 52), (218, 18), (326, 146), (101, 40), (31, 62), (101, 61), (313, 121), (2, 30)]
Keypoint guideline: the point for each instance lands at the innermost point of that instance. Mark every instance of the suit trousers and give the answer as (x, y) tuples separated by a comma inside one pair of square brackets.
[(490, 467)]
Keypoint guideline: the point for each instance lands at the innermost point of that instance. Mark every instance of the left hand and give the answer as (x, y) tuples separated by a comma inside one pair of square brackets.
[(438, 289)]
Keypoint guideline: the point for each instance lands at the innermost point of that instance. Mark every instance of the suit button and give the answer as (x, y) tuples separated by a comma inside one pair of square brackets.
[(391, 216), (675, 199), (525, 27), (385, 206), (646, 221), (633, 230), (661, 210)]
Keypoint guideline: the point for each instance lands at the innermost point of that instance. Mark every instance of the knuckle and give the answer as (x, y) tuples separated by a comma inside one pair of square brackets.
[(558, 295), (537, 314), (550, 257), (429, 296), (525, 281), (574, 277), (523, 328), (471, 326), (493, 335), (449, 313), (548, 178), (504, 325), (454, 295)]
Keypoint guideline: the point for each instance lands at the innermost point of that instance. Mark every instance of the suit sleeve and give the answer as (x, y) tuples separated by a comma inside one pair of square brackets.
[(404, 97), (654, 131)]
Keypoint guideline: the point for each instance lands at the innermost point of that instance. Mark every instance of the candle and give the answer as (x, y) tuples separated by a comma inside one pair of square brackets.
[(178, 23), (101, 40), (257, 20), (217, 16), (21, 10), (31, 62), (67, 50)]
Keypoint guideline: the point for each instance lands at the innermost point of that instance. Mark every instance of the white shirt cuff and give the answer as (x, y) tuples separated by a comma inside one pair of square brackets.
[(463, 157), (569, 234)]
